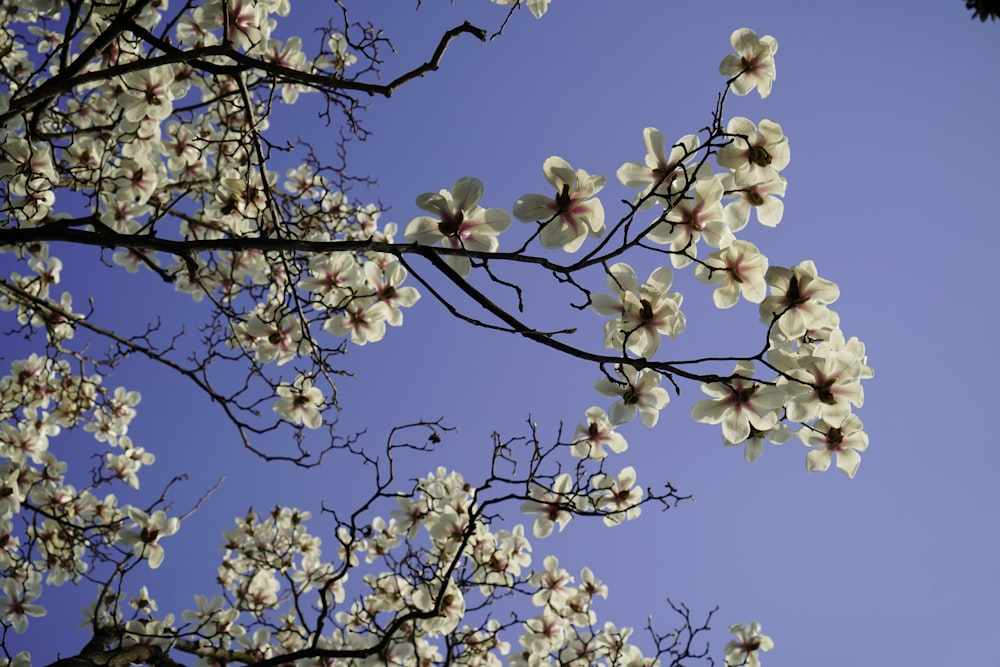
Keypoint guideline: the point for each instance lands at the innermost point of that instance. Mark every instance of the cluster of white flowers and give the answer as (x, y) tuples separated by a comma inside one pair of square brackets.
[(40, 399), (187, 147), (272, 562)]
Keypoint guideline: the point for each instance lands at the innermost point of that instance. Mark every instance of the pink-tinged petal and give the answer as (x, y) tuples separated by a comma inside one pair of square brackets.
[(769, 213), (726, 296), (534, 207), (467, 192), (730, 66), (653, 140), (480, 243), (558, 172), (735, 427), (743, 126), (737, 214), (595, 219), (605, 304), (423, 230), (754, 291), (634, 175), (621, 413), (744, 40), (433, 202), (649, 417), (848, 461), (496, 219), (818, 460), (559, 234), (622, 277), (660, 279)]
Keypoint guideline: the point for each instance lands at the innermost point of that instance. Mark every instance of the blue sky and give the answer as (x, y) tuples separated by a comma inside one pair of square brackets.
[(889, 109)]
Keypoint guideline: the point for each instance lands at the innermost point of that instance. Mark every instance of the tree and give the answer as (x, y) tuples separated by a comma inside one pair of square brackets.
[(144, 132)]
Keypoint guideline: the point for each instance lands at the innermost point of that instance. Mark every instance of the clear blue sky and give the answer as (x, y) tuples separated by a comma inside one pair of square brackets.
[(890, 111)]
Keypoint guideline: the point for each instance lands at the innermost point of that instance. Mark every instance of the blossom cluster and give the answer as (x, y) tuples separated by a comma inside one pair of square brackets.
[(433, 558), (72, 528), (186, 164)]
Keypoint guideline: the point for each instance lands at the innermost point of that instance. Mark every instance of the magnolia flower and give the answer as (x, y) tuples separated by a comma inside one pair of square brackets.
[(553, 583), (642, 313), (571, 216), (691, 219), (458, 222), (753, 62), (145, 540), (300, 403), (364, 319), (595, 434), (386, 283), (744, 649), (639, 391), (761, 197), (737, 269), (19, 595), (739, 404), (340, 57), (820, 383), (755, 155), (827, 440), (277, 335), (799, 296), (662, 175), (148, 94), (552, 505), (618, 496)]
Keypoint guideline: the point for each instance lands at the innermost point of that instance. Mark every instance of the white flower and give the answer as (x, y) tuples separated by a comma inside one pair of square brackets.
[(364, 319), (827, 440), (19, 594), (755, 155), (691, 219), (572, 215), (595, 434), (145, 540), (800, 297), (643, 313), (740, 405), (737, 269), (386, 282), (820, 382), (459, 222), (662, 175), (640, 391), (552, 506), (618, 496), (744, 649), (753, 62), (761, 197), (300, 403)]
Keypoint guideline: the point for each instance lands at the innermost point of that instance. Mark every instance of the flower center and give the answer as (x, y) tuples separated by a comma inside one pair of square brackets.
[(563, 199), (646, 313), (825, 393), (759, 156), (451, 224)]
